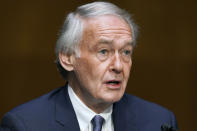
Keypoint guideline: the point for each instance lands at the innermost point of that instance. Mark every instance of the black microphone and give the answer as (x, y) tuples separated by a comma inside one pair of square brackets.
[(166, 127)]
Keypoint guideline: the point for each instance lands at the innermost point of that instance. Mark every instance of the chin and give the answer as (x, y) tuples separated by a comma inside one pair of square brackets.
[(112, 98)]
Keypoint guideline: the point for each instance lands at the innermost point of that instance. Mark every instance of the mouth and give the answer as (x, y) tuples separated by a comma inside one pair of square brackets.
[(113, 84)]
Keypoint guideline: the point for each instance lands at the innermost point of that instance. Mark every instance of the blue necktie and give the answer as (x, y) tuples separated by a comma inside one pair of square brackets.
[(97, 122)]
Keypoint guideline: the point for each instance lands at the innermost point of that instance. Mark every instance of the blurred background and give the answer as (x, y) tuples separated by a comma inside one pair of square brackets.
[(164, 63)]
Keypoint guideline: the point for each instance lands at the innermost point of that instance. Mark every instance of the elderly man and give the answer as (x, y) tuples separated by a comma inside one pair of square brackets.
[(94, 56)]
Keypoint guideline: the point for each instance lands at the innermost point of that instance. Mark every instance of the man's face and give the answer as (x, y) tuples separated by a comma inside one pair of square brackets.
[(103, 68)]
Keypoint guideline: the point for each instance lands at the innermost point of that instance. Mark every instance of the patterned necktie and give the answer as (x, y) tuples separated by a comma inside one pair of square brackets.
[(97, 122)]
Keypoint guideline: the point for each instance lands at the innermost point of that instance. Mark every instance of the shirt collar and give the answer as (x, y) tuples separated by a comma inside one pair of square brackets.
[(85, 114)]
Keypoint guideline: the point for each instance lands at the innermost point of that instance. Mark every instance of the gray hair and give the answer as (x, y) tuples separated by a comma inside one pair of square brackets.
[(72, 29)]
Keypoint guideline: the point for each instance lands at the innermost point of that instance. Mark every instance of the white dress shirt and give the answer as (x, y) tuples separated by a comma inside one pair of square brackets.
[(85, 114)]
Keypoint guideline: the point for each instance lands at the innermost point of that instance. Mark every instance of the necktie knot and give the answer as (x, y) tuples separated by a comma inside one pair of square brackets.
[(97, 122)]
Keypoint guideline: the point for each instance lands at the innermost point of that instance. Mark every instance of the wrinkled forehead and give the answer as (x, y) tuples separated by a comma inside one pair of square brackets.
[(105, 20), (106, 27)]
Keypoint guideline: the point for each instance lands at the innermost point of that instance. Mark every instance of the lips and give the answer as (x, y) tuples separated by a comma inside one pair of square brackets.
[(113, 84)]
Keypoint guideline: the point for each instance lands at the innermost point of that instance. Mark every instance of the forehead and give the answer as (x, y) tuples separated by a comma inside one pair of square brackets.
[(108, 26), (110, 20)]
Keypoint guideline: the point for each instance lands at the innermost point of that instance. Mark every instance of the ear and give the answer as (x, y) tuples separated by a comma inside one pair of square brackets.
[(66, 61)]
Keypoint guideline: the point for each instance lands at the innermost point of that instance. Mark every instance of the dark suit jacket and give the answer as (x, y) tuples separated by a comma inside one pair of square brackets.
[(54, 112)]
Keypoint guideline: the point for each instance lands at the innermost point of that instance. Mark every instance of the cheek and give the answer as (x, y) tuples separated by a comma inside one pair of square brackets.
[(98, 74), (127, 69), (87, 69), (82, 69)]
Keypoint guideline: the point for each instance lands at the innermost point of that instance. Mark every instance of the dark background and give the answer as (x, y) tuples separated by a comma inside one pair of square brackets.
[(164, 62)]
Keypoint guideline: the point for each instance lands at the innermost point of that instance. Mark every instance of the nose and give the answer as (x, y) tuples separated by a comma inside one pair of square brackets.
[(116, 64)]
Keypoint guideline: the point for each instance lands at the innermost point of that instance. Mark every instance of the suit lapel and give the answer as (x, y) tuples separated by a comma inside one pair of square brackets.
[(64, 111), (124, 118)]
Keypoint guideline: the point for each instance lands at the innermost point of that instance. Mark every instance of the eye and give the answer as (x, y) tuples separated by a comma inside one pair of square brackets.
[(126, 55), (127, 52), (103, 51), (103, 54)]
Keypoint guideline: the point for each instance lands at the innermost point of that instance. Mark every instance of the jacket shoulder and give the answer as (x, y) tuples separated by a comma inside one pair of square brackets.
[(31, 113), (142, 104), (37, 105), (148, 112)]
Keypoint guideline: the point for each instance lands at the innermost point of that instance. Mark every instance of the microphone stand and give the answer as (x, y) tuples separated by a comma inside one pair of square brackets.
[(166, 127)]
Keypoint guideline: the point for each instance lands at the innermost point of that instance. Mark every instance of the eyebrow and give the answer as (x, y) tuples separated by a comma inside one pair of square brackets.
[(105, 41), (130, 42), (110, 41)]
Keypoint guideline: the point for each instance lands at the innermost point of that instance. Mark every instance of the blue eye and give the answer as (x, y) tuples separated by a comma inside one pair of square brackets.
[(103, 54), (103, 51), (127, 52)]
